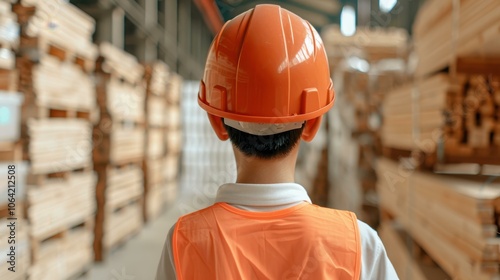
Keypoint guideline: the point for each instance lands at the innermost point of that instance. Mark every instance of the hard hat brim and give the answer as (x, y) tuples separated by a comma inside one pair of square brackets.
[(261, 119)]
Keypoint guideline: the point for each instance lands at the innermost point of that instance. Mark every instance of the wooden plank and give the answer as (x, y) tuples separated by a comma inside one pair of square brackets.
[(406, 263), (433, 225)]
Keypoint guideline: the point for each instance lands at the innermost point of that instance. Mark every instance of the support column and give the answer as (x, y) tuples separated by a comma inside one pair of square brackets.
[(146, 49), (171, 19), (184, 34), (111, 27)]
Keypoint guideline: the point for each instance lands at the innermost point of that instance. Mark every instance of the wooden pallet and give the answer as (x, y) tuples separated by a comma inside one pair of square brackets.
[(59, 201), (118, 143), (173, 117), (64, 255), (66, 33), (23, 258), (57, 144), (369, 43), (154, 177), (171, 166), (155, 201), (174, 88), (449, 120), (114, 228), (173, 141), (47, 81), (119, 64), (444, 31), (156, 76), (407, 257), (118, 188), (453, 219)]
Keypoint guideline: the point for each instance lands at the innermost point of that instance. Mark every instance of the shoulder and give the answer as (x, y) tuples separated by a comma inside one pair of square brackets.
[(369, 237), (196, 216), (375, 263)]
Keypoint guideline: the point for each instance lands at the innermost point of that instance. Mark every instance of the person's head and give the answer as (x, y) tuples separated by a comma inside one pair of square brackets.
[(267, 82)]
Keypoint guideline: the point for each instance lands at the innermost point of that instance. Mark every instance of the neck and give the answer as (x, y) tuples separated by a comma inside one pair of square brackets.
[(252, 170)]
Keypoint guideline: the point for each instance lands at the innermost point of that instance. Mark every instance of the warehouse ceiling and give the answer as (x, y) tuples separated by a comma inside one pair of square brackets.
[(323, 12), (318, 12)]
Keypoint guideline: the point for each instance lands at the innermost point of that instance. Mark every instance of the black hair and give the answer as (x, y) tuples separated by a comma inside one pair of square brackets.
[(264, 147)]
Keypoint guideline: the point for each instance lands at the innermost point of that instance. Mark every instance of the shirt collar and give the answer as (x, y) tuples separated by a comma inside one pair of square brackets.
[(261, 194)]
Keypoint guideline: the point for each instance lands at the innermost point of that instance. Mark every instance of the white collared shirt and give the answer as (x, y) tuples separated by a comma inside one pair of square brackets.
[(272, 197)]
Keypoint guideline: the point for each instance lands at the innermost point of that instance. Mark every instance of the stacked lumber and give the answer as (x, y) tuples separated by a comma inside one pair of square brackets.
[(56, 55), (156, 76), (9, 43), (13, 191), (371, 44), (453, 219), (457, 119), (12, 211), (122, 224), (10, 145), (123, 193), (119, 141), (445, 30), (22, 249), (173, 136), (409, 260), (60, 203), (55, 59), (59, 144), (365, 66), (52, 26), (64, 256), (124, 185)]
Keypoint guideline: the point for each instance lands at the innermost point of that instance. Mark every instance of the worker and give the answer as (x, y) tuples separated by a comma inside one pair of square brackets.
[(266, 86)]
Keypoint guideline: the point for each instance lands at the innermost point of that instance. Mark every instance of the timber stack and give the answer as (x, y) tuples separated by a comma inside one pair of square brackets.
[(156, 76), (119, 140), (455, 117), (10, 143), (446, 120), (12, 196), (453, 219), (55, 61), (9, 42), (173, 137), (364, 66)]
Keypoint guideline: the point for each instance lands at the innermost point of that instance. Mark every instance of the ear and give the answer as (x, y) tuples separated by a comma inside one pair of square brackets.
[(310, 129), (218, 127)]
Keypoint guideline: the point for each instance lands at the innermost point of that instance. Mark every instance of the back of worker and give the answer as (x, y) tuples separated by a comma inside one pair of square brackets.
[(266, 86), (300, 242)]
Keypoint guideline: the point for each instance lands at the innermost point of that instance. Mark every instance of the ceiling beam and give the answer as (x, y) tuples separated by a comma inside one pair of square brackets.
[(157, 34), (211, 14)]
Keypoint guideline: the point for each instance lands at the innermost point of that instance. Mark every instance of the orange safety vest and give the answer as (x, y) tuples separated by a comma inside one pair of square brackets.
[(301, 242)]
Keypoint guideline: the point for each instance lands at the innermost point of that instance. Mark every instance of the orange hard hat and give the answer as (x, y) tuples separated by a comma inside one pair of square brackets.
[(267, 66)]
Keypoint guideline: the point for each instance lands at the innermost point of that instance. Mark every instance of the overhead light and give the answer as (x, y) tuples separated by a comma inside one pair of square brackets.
[(348, 21), (358, 64), (387, 5)]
